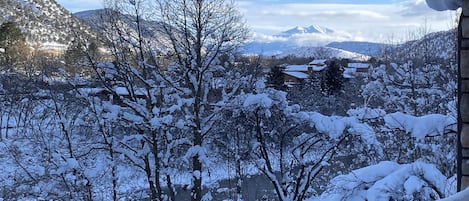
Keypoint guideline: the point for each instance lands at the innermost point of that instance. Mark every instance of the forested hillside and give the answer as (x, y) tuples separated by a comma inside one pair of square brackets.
[(43, 21)]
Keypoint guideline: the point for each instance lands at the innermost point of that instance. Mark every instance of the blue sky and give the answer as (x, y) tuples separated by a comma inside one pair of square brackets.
[(330, 1), (366, 20), (80, 5)]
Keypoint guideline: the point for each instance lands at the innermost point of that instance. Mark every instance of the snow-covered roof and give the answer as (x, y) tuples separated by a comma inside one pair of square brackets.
[(349, 72), (298, 75), (318, 62), (319, 68), (296, 68), (441, 5), (358, 65)]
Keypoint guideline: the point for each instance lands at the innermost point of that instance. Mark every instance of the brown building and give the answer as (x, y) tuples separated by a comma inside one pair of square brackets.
[(295, 74)]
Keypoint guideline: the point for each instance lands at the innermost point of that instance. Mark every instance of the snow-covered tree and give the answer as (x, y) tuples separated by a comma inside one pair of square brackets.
[(290, 147), (411, 88), (13, 49), (276, 78), (45, 148), (388, 180), (311, 98), (199, 32), (332, 80), (163, 86)]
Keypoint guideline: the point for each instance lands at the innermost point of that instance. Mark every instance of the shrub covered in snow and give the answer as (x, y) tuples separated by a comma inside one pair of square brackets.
[(388, 180)]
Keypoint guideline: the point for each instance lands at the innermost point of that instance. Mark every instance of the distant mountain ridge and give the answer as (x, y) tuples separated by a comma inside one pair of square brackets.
[(433, 46), (296, 41), (99, 21)]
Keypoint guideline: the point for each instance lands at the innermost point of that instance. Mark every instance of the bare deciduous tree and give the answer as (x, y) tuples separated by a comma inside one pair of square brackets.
[(199, 32), (192, 35)]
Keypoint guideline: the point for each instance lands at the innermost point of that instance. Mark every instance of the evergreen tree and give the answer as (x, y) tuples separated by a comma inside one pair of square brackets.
[(12, 45), (76, 61), (276, 78), (10, 35), (332, 80)]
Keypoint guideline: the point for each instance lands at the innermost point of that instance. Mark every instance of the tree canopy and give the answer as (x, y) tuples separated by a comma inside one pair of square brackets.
[(12, 45), (10, 35)]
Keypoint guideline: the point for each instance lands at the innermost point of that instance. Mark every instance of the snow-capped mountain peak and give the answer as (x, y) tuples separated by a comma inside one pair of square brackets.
[(305, 30), (320, 29)]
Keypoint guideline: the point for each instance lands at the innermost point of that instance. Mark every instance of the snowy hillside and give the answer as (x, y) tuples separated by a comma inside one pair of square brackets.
[(432, 46), (366, 48), (323, 52), (267, 48), (95, 18), (99, 21), (43, 21)]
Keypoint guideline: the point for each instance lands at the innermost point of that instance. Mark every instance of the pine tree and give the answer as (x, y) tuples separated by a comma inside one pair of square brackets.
[(276, 78), (332, 79), (12, 45), (10, 35)]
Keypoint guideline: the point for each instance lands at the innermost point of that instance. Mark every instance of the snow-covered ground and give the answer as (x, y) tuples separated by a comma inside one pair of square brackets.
[(376, 182)]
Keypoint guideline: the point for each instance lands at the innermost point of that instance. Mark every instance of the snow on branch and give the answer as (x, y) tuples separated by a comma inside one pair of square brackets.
[(335, 126), (388, 180), (420, 127), (461, 196), (412, 178)]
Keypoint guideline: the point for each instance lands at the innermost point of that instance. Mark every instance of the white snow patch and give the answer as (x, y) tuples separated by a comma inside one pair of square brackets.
[(132, 118), (72, 163), (385, 188), (207, 196), (335, 126), (366, 113), (296, 68), (365, 175), (258, 100), (90, 91), (419, 127), (385, 180), (413, 185), (298, 75), (461, 196)]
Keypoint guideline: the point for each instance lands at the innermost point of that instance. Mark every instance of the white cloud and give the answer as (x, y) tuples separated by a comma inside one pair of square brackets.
[(310, 39), (368, 20), (414, 8), (374, 22)]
